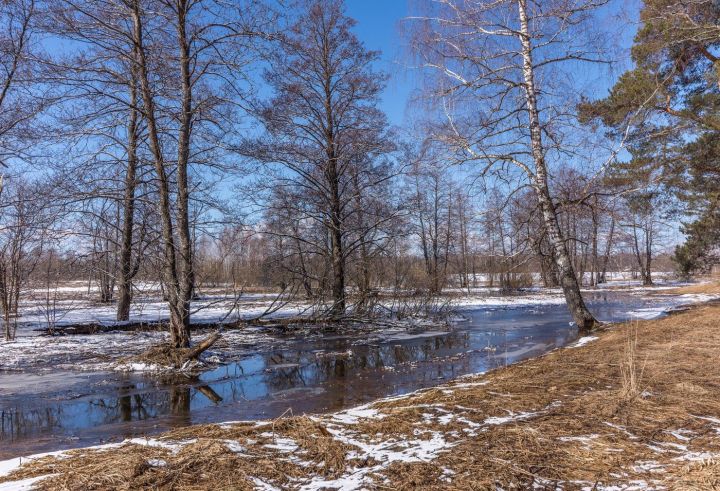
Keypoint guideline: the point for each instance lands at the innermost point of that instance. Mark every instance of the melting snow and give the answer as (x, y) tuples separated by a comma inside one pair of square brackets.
[(583, 341)]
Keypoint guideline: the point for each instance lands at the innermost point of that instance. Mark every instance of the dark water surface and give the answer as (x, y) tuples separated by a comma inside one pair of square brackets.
[(323, 372)]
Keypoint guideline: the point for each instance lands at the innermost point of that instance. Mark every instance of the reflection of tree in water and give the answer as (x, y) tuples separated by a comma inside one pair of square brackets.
[(128, 405), (19, 423), (180, 404), (293, 369)]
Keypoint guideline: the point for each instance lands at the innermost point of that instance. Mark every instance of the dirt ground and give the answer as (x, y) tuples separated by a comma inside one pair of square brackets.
[(636, 406)]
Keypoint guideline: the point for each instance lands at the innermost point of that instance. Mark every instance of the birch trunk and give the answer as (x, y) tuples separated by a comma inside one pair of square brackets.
[(579, 311)]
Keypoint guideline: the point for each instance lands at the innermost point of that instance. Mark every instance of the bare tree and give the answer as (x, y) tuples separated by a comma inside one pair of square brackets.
[(25, 222), (190, 56), (496, 66), (19, 104), (431, 202), (99, 121), (644, 227), (324, 128)]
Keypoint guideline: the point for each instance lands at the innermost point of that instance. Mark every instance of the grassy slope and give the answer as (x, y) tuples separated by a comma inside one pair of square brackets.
[(638, 406)]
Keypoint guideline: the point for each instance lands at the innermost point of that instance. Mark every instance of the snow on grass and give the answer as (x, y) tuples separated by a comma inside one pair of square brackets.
[(583, 341), (352, 416), (385, 452), (235, 447), (634, 485), (286, 445), (501, 420), (261, 485), (173, 447), (23, 484), (7, 466), (585, 440)]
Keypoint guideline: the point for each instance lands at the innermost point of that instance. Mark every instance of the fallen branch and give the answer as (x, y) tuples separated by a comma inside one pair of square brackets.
[(202, 346)]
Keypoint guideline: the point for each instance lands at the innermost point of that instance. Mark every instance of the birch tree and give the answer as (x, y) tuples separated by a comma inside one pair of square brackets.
[(496, 69)]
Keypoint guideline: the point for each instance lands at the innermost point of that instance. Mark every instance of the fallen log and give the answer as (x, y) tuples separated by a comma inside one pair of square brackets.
[(202, 346)]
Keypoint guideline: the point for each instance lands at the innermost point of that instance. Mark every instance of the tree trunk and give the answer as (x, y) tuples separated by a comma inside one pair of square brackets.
[(179, 314), (580, 313), (594, 274), (185, 267), (608, 249), (126, 267), (647, 279), (338, 260)]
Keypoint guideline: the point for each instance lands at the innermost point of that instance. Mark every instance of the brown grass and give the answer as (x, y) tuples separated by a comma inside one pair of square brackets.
[(708, 287), (162, 355), (612, 412), (631, 369)]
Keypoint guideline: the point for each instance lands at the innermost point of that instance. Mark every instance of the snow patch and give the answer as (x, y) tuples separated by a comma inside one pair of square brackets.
[(583, 341)]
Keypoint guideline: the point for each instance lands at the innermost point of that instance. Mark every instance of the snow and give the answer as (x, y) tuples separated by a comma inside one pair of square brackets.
[(22, 485), (153, 442), (262, 485), (634, 485), (352, 416), (584, 440), (648, 466), (282, 444), (385, 452), (583, 341), (234, 446), (501, 420), (517, 301), (138, 367), (7, 466), (148, 307)]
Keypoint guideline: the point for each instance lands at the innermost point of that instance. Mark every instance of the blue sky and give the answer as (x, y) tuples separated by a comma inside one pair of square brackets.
[(378, 27)]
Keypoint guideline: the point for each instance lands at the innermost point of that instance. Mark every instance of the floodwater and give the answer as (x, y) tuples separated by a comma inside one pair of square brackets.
[(308, 374)]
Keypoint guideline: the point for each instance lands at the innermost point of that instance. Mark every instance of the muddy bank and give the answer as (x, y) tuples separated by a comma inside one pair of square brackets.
[(637, 406)]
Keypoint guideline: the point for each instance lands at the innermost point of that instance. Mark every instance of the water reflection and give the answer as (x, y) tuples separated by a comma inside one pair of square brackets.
[(325, 372)]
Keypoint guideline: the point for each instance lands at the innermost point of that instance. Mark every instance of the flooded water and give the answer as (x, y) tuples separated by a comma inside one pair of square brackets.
[(309, 374)]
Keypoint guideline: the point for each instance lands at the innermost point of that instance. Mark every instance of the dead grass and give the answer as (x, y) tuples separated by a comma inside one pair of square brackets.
[(161, 355), (636, 405), (631, 369), (708, 287)]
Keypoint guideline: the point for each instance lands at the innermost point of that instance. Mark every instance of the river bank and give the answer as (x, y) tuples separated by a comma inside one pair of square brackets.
[(74, 391), (634, 406)]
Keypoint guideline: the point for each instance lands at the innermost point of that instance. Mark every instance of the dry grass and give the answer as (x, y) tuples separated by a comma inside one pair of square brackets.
[(631, 370), (637, 405), (161, 355), (712, 286)]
